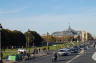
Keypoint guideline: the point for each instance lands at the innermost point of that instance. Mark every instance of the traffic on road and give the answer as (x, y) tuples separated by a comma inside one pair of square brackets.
[(63, 55)]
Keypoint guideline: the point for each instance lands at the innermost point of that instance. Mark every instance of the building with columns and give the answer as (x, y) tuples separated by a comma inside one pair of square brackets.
[(84, 36)]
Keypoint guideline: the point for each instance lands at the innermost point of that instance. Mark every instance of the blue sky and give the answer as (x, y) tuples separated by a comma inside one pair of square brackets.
[(48, 15)]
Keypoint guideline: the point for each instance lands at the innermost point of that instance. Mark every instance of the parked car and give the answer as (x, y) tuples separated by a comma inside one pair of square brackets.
[(64, 52)]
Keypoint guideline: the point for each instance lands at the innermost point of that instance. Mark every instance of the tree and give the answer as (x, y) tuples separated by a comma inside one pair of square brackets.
[(90, 37), (33, 38), (12, 38), (19, 38)]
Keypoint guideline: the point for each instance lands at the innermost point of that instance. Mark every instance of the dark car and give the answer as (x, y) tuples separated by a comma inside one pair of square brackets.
[(73, 50), (76, 49)]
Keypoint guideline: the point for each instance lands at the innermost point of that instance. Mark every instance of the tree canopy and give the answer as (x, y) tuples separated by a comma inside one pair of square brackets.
[(33, 38), (17, 39), (12, 38)]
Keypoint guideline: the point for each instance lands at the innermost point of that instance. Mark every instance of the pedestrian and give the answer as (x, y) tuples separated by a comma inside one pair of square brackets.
[(55, 56), (39, 50), (44, 49), (34, 51), (48, 48), (94, 45)]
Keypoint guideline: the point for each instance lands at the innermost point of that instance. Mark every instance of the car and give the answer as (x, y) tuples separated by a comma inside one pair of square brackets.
[(73, 50), (64, 52), (82, 46), (76, 49), (22, 50)]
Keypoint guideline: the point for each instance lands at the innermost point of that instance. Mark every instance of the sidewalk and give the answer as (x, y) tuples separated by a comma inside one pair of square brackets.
[(32, 56)]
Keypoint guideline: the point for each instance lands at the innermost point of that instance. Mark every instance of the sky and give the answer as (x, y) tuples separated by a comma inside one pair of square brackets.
[(48, 15)]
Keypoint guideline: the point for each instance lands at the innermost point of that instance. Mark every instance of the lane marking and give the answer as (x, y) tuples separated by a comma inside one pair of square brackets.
[(76, 56)]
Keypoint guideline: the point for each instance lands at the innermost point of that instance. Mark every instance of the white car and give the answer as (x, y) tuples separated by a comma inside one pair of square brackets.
[(22, 50), (64, 52)]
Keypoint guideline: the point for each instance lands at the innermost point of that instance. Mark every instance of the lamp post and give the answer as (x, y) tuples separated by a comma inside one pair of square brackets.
[(28, 40), (33, 41), (0, 45), (47, 40)]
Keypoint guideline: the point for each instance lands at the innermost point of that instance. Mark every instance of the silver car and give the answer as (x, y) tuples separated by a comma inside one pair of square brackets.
[(64, 52)]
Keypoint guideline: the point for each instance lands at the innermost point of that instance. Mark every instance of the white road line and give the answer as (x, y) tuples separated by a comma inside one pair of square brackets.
[(76, 57), (73, 59)]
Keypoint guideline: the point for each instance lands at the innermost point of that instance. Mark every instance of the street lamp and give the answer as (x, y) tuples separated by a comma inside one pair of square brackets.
[(28, 40), (33, 41), (47, 41), (0, 45)]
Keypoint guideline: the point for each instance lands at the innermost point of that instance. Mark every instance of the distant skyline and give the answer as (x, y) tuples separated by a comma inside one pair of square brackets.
[(48, 15)]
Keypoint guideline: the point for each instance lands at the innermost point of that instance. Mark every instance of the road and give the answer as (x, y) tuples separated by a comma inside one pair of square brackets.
[(47, 59), (86, 57), (74, 58)]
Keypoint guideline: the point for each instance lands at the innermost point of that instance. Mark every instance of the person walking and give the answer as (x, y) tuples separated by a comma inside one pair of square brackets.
[(55, 56)]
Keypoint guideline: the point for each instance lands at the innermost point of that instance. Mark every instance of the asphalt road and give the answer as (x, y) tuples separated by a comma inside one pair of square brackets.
[(83, 57), (47, 59), (86, 57)]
